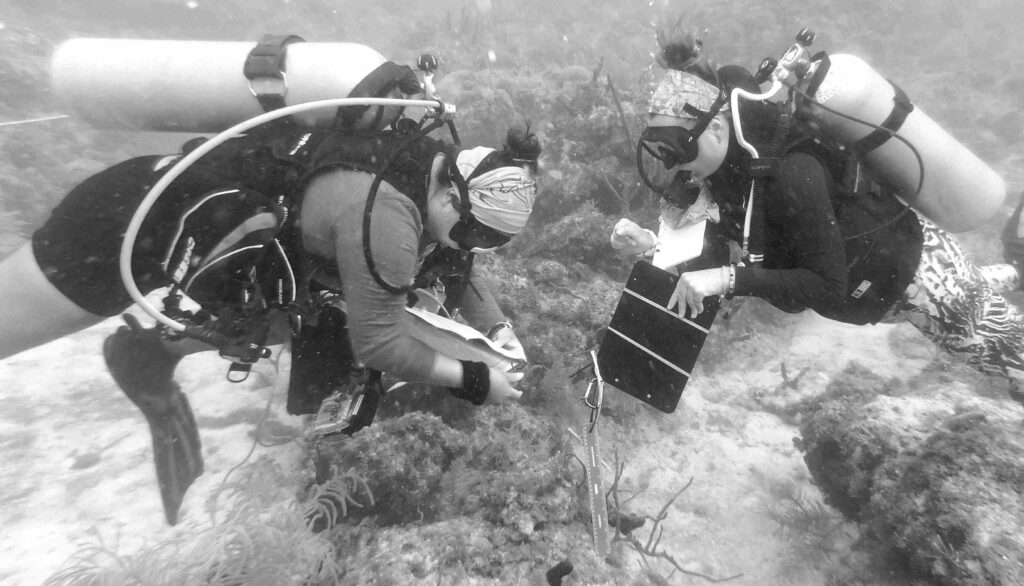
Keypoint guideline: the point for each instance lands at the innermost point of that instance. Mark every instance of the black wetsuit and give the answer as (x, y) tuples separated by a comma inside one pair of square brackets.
[(805, 264), (949, 299)]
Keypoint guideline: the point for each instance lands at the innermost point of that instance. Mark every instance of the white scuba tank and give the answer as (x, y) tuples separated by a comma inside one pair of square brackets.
[(197, 86), (960, 192)]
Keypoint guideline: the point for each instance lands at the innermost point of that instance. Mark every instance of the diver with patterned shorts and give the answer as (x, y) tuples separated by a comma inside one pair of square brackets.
[(906, 268)]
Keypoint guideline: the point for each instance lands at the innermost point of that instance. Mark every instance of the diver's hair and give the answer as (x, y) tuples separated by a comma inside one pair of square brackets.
[(681, 49), (521, 149)]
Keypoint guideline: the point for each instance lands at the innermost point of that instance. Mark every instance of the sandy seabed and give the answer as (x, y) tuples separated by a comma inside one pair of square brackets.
[(77, 460), (77, 457)]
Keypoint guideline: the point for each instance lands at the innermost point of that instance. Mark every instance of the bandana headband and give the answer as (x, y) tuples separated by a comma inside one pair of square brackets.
[(677, 90), (502, 198)]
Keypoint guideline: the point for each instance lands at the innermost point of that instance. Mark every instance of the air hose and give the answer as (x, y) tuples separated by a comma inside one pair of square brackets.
[(754, 222), (132, 232)]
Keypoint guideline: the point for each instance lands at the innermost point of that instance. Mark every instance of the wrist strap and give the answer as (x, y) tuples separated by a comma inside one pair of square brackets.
[(650, 252), (498, 327), (476, 382)]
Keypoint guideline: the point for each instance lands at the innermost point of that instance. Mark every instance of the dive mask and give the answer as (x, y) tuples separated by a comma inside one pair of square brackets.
[(473, 235), (469, 233), (662, 148), (671, 145)]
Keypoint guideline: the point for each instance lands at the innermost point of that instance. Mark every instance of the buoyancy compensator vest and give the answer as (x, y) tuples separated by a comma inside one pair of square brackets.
[(236, 249), (256, 180), (882, 238)]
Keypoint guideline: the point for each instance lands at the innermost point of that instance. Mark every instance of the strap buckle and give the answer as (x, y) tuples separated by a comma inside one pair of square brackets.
[(594, 395), (270, 91), (265, 69)]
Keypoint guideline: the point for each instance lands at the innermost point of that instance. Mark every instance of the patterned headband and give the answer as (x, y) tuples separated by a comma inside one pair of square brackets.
[(677, 89)]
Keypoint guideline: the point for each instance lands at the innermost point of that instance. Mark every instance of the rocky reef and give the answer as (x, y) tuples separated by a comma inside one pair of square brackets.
[(931, 469)]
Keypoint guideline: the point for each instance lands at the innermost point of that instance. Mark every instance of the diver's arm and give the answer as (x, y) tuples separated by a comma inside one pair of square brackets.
[(377, 320), (480, 309), (804, 242)]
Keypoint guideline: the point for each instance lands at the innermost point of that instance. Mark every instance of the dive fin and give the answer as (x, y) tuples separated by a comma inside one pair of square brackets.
[(177, 452), (144, 370)]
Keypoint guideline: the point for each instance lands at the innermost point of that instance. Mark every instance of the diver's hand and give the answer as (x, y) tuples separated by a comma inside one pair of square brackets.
[(506, 338), (628, 237), (502, 390), (694, 286)]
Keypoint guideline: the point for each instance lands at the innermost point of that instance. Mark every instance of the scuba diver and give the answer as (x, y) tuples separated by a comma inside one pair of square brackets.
[(851, 252), (323, 236)]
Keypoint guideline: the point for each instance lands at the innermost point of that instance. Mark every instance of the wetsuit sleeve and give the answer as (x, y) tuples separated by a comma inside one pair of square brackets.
[(477, 305), (377, 320), (805, 263)]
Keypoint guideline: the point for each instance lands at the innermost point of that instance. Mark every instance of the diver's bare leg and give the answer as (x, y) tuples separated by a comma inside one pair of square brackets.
[(33, 311)]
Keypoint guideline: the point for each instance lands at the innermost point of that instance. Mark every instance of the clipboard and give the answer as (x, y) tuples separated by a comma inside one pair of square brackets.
[(648, 352), (678, 245), (460, 341)]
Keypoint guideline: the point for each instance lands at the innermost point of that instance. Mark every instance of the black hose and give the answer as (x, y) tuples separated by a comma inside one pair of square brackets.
[(372, 196)]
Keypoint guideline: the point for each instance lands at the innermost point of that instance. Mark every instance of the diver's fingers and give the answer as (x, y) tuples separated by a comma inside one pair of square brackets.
[(620, 240), (501, 390), (624, 226), (503, 336), (503, 395), (673, 301), (696, 306), (625, 233)]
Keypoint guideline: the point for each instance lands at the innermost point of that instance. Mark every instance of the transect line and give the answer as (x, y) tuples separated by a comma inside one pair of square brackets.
[(32, 120)]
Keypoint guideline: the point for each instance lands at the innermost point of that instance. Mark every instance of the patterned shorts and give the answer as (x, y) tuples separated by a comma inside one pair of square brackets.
[(953, 303)]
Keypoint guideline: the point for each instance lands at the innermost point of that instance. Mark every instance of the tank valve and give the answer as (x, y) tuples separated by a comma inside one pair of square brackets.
[(796, 62), (805, 37), (428, 64)]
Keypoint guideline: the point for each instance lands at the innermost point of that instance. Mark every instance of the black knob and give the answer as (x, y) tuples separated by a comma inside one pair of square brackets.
[(427, 63), (805, 37), (765, 69)]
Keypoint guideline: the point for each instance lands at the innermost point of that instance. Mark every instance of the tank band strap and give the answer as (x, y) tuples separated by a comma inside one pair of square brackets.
[(824, 64), (900, 110), (386, 77), (265, 70)]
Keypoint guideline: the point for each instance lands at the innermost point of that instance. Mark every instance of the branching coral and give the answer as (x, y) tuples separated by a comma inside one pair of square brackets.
[(651, 548), (816, 533)]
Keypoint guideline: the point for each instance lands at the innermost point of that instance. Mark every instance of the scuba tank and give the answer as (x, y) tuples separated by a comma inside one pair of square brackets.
[(929, 169), (205, 86)]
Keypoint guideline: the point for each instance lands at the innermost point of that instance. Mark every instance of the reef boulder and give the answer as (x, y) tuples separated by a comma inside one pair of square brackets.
[(933, 471)]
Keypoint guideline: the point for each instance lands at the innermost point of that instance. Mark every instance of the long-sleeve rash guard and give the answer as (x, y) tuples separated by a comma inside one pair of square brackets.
[(332, 227), (805, 263)]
